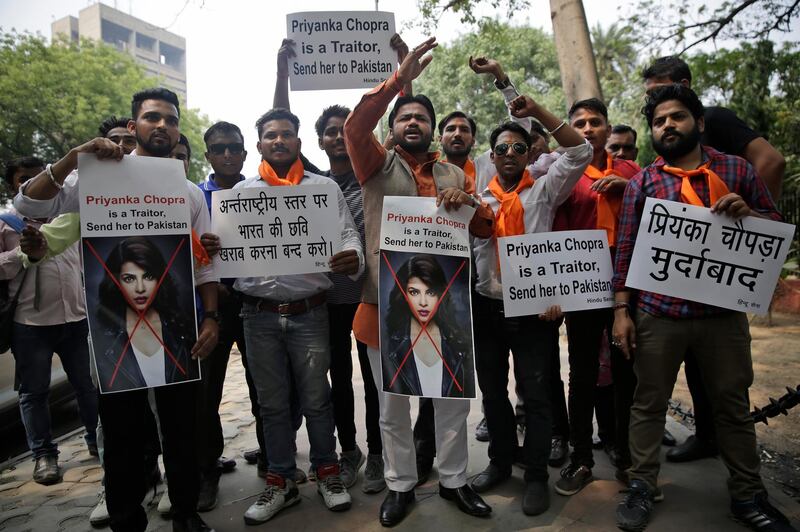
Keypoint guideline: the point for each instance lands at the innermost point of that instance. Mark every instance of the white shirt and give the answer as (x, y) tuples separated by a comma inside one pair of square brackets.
[(68, 200), (430, 377), (539, 203), (304, 285), (152, 367)]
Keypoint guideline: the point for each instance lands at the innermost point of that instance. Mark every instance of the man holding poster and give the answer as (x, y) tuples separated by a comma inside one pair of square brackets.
[(666, 328), (408, 169), (520, 205), (286, 330), (155, 123)]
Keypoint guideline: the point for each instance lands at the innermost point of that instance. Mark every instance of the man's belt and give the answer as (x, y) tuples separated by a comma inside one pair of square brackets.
[(286, 308)]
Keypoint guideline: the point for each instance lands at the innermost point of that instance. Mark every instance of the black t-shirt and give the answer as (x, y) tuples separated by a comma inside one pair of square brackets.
[(726, 132)]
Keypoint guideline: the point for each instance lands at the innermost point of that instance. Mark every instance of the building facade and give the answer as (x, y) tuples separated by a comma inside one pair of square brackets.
[(160, 52)]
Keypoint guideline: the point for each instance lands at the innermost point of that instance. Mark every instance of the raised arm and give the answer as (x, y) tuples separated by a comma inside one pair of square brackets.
[(566, 136), (485, 65), (286, 51), (366, 153)]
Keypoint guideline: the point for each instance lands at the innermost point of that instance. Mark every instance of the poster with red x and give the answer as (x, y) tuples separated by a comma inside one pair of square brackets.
[(138, 272), (424, 302)]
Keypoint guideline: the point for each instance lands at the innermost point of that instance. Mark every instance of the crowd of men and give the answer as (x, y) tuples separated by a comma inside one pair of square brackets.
[(294, 331)]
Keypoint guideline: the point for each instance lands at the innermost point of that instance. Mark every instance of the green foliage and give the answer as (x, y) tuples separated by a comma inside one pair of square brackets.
[(432, 10), (54, 96), (528, 57)]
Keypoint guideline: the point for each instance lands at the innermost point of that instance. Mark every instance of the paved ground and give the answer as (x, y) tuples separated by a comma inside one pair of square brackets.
[(696, 497)]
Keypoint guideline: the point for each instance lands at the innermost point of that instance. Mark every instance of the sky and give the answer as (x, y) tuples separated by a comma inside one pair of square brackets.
[(232, 46)]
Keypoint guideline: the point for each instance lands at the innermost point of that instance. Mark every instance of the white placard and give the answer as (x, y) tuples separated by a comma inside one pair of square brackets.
[(424, 299), (340, 49), (275, 230), (686, 251), (567, 268), (138, 271)]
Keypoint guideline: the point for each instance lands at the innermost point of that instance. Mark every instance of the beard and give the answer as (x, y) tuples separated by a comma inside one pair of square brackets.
[(457, 152), (156, 150), (417, 146), (678, 147)]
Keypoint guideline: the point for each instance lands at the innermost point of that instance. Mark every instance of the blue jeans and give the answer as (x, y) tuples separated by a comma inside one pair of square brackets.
[(33, 347), (279, 348)]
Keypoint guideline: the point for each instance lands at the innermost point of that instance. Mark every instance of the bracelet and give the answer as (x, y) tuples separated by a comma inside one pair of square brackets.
[(49, 170), (562, 124), (620, 305)]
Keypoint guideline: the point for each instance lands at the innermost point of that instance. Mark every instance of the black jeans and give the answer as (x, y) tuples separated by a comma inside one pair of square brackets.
[(210, 441), (341, 374), (531, 343), (124, 417), (584, 333)]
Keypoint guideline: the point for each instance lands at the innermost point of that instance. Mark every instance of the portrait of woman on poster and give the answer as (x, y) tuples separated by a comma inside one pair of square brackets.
[(424, 373), (137, 265)]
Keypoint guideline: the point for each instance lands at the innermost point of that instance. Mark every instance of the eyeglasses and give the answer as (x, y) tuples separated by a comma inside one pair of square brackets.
[(519, 147), (235, 148)]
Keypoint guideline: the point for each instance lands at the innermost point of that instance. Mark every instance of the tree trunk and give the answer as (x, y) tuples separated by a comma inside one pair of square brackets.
[(574, 49)]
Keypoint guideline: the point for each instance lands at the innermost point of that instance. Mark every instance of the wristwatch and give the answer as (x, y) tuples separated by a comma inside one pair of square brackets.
[(502, 84), (212, 315)]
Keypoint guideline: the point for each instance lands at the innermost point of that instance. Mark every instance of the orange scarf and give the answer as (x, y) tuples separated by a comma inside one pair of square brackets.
[(509, 219), (607, 208), (716, 186), (294, 176), (200, 254)]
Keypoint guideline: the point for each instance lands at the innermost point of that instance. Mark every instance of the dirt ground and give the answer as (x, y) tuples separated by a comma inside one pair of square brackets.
[(776, 365)]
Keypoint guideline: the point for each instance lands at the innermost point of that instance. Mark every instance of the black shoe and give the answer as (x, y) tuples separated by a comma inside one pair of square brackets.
[(559, 451), (759, 514), (489, 478), (668, 440), (226, 465), (466, 499), (209, 488), (190, 524), (46, 470), (395, 506), (633, 513), (482, 431), (424, 468), (536, 499), (692, 449), (251, 456)]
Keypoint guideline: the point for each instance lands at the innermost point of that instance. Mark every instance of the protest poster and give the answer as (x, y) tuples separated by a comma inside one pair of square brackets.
[(340, 49), (275, 230), (424, 302), (688, 252), (138, 271), (567, 268)]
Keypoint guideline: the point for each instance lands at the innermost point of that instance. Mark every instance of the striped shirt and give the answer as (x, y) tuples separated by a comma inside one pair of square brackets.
[(345, 290)]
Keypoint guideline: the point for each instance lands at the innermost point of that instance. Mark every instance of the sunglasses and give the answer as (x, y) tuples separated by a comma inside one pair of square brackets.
[(519, 147), (235, 148)]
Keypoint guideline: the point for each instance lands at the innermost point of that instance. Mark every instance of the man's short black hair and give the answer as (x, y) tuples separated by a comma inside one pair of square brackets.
[(593, 104), (675, 91), (156, 93), (621, 129), (328, 113), (222, 128), (112, 122), (458, 114), (183, 140), (421, 99), (510, 126), (672, 67), (14, 165), (539, 129), (278, 113)]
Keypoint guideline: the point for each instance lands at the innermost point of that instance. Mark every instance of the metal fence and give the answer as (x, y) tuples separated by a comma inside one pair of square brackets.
[(789, 205)]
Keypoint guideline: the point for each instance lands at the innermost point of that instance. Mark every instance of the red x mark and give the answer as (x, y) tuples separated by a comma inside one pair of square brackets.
[(142, 312), (425, 324)]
